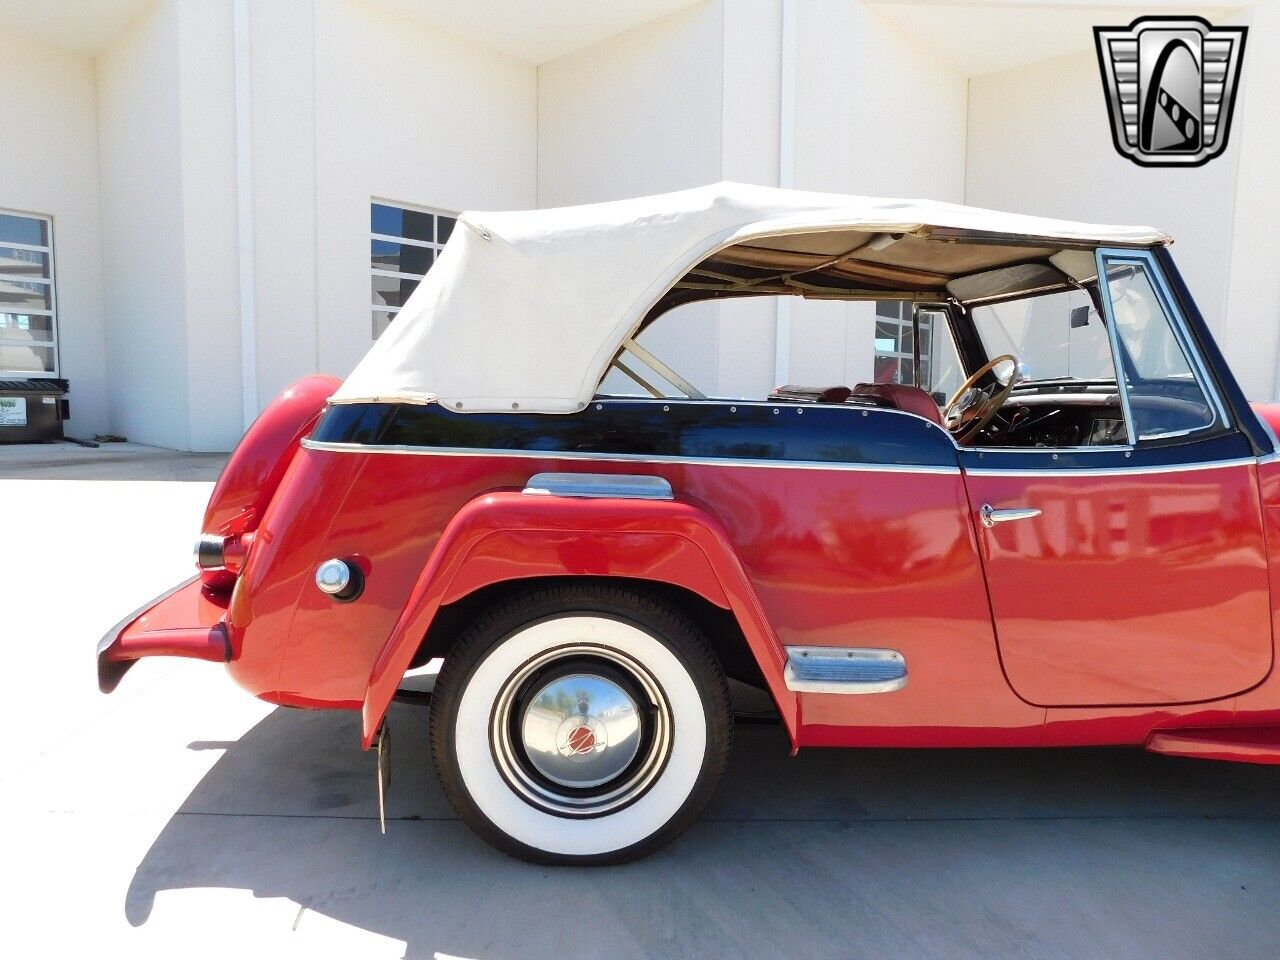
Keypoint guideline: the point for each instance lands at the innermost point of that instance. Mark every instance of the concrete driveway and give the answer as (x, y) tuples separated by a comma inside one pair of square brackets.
[(180, 818)]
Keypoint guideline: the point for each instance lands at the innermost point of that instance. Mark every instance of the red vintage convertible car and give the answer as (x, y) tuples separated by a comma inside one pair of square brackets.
[(1055, 532)]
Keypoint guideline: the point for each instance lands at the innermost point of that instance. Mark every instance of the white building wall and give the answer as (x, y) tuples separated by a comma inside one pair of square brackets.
[(135, 158), (167, 169), (1040, 142), (696, 97), (50, 166), (636, 114), (1249, 332), (878, 115), (407, 114), (283, 83), (640, 113), (211, 280), (348, 103), (140, 163), (749, 153)]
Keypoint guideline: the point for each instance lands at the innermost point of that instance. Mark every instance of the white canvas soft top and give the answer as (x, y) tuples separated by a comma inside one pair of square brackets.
[(526, 310)]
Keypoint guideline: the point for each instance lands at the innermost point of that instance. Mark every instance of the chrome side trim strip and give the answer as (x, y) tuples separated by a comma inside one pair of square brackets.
[(1115, 471), (624, 486), (331, 447), (844, 670), (1101, 448)]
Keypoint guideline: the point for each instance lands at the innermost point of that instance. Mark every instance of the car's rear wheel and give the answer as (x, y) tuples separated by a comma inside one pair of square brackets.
[(580, 724)]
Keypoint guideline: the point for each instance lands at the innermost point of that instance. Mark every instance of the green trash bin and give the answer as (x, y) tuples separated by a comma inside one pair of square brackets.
[(32, 411)]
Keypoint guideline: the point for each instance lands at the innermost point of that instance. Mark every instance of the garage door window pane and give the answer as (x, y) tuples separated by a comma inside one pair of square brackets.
[(25, 326), (400, 257), (404, 244), (16, 262), (15, 228), (392, 291), (29, 359), (28, 298), (397, 222), (24, 295)]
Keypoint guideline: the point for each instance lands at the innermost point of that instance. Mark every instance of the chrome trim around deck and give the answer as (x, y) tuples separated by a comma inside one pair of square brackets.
[(622, 485), (1112, 471), (330, 447), (844, 670)]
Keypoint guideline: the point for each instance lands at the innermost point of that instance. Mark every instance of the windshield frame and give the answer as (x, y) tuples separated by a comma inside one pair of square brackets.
[(1146, 261)]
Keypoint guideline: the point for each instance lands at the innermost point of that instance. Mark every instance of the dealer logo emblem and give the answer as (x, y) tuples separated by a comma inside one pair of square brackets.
[(1171, 87)]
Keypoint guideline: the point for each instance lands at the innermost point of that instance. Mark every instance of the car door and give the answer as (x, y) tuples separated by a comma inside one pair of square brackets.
[(1136, 573)]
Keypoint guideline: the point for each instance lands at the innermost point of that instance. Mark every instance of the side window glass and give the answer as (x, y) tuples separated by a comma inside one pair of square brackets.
[(1167, 397), (942, 374), (939, 372)]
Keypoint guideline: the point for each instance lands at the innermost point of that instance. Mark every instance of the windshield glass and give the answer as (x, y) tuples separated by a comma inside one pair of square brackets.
[(1055, 336)]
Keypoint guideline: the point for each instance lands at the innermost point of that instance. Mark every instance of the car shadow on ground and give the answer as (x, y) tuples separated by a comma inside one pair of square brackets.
[(946, 853)]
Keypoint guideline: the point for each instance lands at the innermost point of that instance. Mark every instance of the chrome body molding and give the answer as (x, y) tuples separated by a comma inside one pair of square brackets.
[(844, 670), (621, 485), (332, 447), (1041, 451), (1115, 471)]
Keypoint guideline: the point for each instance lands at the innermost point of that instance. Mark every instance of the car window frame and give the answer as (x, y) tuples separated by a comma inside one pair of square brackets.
[(1147, 261), (1223, 422)]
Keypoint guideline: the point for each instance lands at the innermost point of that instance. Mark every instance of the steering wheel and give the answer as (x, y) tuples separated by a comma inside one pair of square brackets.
[(971, 408)]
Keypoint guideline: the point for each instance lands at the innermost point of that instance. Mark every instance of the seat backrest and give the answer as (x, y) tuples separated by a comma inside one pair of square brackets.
[(902, 396)]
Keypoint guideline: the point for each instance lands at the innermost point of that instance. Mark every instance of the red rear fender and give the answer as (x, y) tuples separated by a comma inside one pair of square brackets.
[(255, 469), (258, 464), (505, 536)]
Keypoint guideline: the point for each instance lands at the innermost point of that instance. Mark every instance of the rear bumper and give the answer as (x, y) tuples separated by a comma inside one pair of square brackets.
[(186, 621)]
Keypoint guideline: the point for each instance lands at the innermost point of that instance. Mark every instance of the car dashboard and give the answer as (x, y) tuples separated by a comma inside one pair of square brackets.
[(1075, 414)]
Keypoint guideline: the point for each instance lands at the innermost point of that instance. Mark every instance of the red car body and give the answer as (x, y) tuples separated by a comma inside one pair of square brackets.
[(1134, 603), (799, 557)]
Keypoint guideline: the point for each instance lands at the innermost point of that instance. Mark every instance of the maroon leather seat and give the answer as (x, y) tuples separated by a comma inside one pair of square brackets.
[(903, 397)]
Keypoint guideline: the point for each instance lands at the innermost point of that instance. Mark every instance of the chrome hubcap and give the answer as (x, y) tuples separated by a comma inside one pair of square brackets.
[(581, 731)]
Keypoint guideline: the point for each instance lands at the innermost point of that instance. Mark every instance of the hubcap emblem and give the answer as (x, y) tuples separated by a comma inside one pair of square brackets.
[(581, 737)]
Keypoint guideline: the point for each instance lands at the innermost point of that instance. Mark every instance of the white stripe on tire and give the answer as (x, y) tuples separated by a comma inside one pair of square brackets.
[(560, 835)]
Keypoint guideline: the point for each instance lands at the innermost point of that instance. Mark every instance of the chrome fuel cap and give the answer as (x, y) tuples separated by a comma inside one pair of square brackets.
[(333, 576), (340, 579), (581, 730)]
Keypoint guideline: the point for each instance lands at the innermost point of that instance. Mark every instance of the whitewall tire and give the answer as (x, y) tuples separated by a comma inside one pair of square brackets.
[(580, 724)]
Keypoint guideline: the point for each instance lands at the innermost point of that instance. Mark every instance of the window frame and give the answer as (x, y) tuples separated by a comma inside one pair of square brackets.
[(1222, 422), (908, 321), (1146, 260), (434, 245), (51, 313)]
